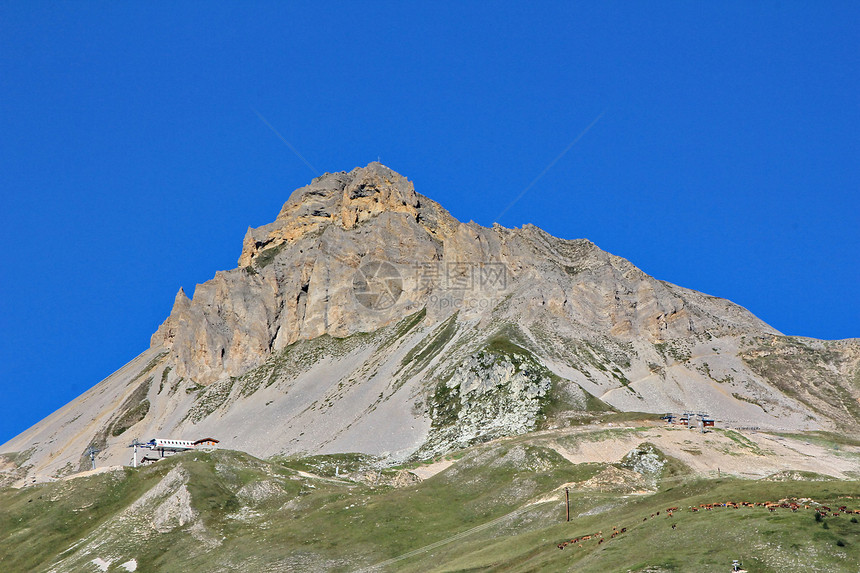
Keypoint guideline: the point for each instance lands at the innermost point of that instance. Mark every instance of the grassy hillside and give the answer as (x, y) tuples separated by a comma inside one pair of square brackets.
[(496, 507)]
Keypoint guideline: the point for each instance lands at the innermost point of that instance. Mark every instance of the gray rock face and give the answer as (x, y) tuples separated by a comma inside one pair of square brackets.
[(645, 459), (366, 318), (490, 395)]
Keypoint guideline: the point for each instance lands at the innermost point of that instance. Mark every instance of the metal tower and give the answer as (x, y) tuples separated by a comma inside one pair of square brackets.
[(92, 451), (134, 444)]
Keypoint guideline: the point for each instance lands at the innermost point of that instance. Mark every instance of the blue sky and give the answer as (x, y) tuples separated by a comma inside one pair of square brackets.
[(132, 161)]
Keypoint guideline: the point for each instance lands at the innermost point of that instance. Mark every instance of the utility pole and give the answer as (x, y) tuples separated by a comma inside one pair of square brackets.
[(567, 501)]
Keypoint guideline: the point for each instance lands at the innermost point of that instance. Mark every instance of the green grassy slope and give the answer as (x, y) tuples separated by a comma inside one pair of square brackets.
[(499, 507)]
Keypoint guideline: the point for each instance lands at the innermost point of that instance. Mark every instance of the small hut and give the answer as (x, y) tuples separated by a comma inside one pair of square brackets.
[(206, 443)]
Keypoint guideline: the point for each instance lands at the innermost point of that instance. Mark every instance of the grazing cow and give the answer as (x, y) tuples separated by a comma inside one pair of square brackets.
[(601, 541), (674, 525), (623, 529)]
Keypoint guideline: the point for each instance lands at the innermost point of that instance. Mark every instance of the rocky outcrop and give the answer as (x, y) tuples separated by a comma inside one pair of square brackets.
[(491, 394)]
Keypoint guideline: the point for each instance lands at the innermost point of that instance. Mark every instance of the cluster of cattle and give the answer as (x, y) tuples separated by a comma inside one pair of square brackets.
[(772, 506), (599, 536)]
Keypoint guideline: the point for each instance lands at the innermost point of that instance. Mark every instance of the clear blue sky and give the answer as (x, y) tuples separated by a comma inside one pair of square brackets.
[(132, 161)]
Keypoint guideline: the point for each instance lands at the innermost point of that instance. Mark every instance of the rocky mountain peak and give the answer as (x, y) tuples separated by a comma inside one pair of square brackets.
[(365, 318), (315, 270), (357, 195), (342, 199)]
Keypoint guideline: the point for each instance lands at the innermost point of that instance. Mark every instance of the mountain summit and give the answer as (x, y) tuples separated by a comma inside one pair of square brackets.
[(366, 318)]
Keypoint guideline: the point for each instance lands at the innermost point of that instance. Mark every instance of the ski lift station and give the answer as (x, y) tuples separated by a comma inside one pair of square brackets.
[(159, 446), (691, 420)]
